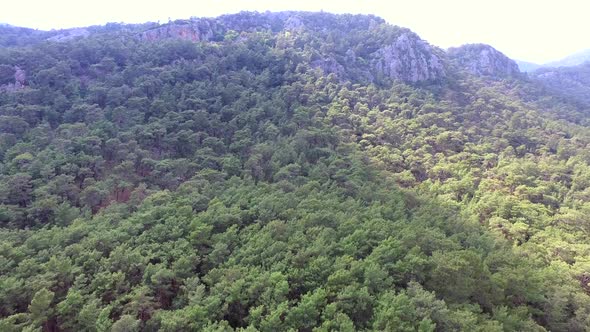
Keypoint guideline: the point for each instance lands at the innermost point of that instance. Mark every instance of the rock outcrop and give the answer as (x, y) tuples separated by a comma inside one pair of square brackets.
[(193, 30), (483, 60), (409, 59)]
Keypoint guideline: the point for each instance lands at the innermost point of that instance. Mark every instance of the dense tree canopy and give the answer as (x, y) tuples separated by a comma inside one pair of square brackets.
[(264, 180)]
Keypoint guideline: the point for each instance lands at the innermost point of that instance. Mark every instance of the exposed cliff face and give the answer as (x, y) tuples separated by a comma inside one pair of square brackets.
[(409, 59), (193, 30), (483, 60)]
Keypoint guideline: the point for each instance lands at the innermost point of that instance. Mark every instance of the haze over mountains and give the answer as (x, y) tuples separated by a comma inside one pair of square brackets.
[(568, 61), (291, 171)]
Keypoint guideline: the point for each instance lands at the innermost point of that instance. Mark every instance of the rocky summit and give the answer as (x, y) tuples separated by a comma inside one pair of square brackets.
[(409, 59), (405, 57), (483, 60), (193, 30)]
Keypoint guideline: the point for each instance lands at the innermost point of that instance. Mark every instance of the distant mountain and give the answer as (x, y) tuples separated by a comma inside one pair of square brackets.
[(527, 66), (570, 60), (572, 83), (13, 36)]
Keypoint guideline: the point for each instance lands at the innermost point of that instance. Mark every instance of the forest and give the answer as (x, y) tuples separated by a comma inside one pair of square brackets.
[(287, 172)]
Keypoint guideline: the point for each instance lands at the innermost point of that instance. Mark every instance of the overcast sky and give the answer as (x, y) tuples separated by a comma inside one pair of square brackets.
[(531, 30)]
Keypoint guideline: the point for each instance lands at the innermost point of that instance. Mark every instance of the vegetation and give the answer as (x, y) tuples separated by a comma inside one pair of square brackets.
[(237, 184)]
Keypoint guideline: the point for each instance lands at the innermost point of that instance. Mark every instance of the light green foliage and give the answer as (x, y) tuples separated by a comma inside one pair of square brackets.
[(40, 308), (126, 323)]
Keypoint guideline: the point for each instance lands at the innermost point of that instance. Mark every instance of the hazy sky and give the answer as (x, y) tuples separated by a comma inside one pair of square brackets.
[(532, 30)]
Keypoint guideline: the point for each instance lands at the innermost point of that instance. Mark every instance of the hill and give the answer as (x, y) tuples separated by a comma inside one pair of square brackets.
[(575, 59), (286, 171), (571, 83)]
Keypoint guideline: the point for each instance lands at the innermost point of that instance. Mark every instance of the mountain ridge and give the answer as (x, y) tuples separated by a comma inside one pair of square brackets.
[(571, 60), (206, 29)]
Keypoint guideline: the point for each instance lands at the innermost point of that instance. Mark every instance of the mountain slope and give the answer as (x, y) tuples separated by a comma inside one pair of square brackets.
[(572, 83), (287, 171)]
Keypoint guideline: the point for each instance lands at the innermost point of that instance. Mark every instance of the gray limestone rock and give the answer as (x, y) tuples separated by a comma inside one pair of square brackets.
[(483, 60), (194, 30), (409, 59)]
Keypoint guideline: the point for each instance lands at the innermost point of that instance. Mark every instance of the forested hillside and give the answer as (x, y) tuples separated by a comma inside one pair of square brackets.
[(572, 84), (286, 172)]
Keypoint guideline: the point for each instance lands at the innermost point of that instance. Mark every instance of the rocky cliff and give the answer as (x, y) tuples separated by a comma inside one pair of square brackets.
[(483, 60), (193, 30), (409, 59)]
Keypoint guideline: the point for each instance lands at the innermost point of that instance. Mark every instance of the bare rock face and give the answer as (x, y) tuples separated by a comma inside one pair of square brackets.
[(409, 59), (484, 60), (193, 30)]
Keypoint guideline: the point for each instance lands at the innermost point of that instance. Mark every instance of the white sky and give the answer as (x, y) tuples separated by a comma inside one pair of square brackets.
[(531, 30)]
